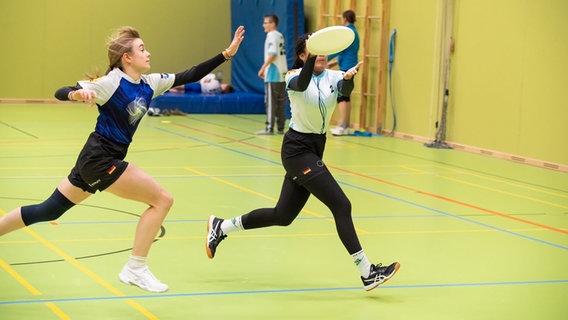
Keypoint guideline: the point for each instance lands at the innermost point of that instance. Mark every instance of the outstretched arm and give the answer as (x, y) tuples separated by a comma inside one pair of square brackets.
[(75, 93), (301, 82), (346, 85)]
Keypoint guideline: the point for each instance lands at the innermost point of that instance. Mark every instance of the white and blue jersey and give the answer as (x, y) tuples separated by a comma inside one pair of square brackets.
[(274, 45), (122, 101), (312, 109)]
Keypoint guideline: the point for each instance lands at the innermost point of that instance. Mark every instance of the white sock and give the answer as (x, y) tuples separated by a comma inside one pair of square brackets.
[(231, 225), (136, 262), (362, 263)]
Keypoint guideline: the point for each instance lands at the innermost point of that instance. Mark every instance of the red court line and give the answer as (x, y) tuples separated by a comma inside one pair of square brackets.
[(503, 215), (454, 201)]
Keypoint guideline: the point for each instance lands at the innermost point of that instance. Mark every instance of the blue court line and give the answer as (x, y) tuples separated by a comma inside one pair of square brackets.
[(455, 216), (278, 163), (299, 290), (376, 193)]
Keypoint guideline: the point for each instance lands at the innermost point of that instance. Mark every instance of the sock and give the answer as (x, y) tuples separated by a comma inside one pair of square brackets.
[(344, 124), (231, 225), (136, 262), (362, 263)]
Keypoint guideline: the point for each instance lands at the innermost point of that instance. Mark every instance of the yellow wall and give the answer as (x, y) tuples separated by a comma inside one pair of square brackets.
[(50, 43), (510, 77), (509, 72)]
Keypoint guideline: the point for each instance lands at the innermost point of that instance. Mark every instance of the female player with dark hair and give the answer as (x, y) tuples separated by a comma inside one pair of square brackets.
[(122, 96), (313, 91)]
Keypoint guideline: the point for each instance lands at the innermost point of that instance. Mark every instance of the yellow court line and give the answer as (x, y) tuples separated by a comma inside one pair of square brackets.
[(32, 289), (260, 194), (19, 278), (90, 274), (57, 311), (284, 235), (410, 232), (87, 271), (518, 185), (504, 192), (414, 169)]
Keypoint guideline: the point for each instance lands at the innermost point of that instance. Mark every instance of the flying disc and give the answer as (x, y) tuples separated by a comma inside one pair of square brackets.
[(330, 40)]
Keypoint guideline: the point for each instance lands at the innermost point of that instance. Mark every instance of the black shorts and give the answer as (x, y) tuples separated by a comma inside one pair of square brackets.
[(302, 155), (341, 98), (99, 164)]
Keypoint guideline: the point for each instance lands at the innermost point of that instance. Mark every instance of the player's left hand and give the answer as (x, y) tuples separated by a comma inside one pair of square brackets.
[(237, 39), (349, 74)]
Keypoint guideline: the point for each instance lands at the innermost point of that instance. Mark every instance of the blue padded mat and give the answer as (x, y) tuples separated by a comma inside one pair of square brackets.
[(228, 103)]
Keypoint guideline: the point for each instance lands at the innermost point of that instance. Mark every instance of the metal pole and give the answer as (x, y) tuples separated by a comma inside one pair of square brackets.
[(440, 141)]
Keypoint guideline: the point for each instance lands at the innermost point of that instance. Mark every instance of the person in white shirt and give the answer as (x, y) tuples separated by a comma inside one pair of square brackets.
[(273, 71), (313, 92)]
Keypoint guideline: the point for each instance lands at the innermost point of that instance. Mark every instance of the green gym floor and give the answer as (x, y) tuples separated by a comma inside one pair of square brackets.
[(476, 237)]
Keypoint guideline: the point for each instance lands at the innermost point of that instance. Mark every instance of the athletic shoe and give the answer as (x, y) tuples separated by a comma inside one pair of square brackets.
[(143, 278), (379, 275), (339, 131), (264, 132), (280, 131), (214, 235)]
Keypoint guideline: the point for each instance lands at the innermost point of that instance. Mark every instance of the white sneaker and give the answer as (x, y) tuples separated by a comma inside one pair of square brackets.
[(339, 131), (143, 278)]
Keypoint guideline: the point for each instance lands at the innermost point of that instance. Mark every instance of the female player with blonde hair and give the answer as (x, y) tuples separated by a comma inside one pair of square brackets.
[(122, 96)]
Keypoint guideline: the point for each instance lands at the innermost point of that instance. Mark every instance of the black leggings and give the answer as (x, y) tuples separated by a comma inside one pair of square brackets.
[(292, 199)]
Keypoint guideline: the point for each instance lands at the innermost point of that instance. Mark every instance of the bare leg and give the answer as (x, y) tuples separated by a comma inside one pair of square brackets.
[(135, 184), (344, 113), (344, 119)]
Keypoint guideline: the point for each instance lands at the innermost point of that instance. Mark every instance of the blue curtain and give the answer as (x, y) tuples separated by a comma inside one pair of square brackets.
[(250, 14)]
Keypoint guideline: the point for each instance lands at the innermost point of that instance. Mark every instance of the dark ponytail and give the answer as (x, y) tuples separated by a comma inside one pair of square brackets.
[(299, 48)]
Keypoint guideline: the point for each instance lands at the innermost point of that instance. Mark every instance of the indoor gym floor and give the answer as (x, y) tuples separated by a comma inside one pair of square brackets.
[(477, 237)]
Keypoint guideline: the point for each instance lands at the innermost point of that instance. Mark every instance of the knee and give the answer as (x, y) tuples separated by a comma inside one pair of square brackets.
[(283, 220), (51, 209), (166, 200), (342, 207)]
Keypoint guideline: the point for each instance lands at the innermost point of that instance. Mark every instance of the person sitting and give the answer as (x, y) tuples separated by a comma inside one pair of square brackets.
[(207, 85)]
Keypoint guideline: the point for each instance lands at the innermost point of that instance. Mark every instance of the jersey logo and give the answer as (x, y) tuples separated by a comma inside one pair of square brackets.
[(136, 110), (164, 75)]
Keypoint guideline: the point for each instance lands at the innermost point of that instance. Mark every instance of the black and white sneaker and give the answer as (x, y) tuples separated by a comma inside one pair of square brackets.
[(379, 275), (214, 235)]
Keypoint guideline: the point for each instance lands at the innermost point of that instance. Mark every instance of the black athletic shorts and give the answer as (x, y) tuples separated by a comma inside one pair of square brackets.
[(302, 155), (99, 164), (341, 98)]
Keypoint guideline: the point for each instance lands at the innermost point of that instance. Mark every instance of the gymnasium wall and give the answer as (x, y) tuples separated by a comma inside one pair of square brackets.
[(48, 44), (508, 77)]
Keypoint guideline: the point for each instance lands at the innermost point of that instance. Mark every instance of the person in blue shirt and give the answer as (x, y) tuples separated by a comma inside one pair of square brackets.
[(346, 59), (313, 90), (122, 96)]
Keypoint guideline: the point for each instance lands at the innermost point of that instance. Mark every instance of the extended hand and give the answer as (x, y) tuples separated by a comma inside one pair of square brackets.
[(237, 39), (349, 74), (83, 95)]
